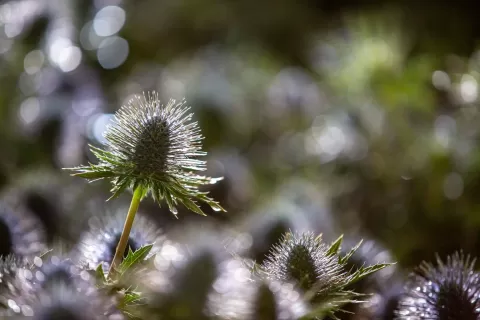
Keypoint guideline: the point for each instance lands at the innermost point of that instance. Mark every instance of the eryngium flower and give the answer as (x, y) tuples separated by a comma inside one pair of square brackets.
[(98, 243), (236, 294), (304, 260), (55, 269), (156, 147), (21, 233), (450, 290), (61, 301)]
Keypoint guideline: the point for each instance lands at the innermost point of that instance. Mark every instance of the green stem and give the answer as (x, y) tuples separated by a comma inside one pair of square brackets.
[(122, 243)]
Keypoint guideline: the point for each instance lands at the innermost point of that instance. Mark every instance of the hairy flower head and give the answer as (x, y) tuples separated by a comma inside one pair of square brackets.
[(97, 244), (319, 270), (154, 146), (450, 290), (304, 260)]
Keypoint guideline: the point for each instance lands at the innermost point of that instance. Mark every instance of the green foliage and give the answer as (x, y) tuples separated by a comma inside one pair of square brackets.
[(134, 258), (129, 300)]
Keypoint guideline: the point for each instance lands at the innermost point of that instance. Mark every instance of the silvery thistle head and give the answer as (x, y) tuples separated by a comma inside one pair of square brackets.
[(156, 147), (304, 259), (450, 290), (318, 270), (97, 243)]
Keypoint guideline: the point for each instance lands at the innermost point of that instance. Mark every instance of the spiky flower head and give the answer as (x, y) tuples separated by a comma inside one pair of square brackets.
[(317, 269), (98, 243), (447, 291), (53, 269), (304, 259), (189, 292), (154, 146)]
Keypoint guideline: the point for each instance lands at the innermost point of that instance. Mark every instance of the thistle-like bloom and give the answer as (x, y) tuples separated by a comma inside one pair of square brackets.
[(155, 147), (304, 259), (97, 244), (320, 271), (450, 290), (54, 270), (21, 234)]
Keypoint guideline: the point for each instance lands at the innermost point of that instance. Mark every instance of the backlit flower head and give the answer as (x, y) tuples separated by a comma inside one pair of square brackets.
[(450, 290), (317, 269), (97, 244), (304, 260), (155, 146), (62, 301)]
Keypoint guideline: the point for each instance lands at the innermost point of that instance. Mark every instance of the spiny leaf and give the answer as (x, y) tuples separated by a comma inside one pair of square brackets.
[(119, 188), (129, 303), (344, 259), (131, 297), (365, 271), (335, 247), (94, 174), (134, 258), (192, 206), (99, 274)]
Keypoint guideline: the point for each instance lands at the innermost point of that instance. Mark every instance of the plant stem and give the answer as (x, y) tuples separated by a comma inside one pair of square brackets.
[(122, 243)]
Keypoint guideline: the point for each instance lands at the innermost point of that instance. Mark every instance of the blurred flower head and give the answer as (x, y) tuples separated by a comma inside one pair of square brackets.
[(188, 294), (61, 301), (53, 269), (21, 233), (98, 243)]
